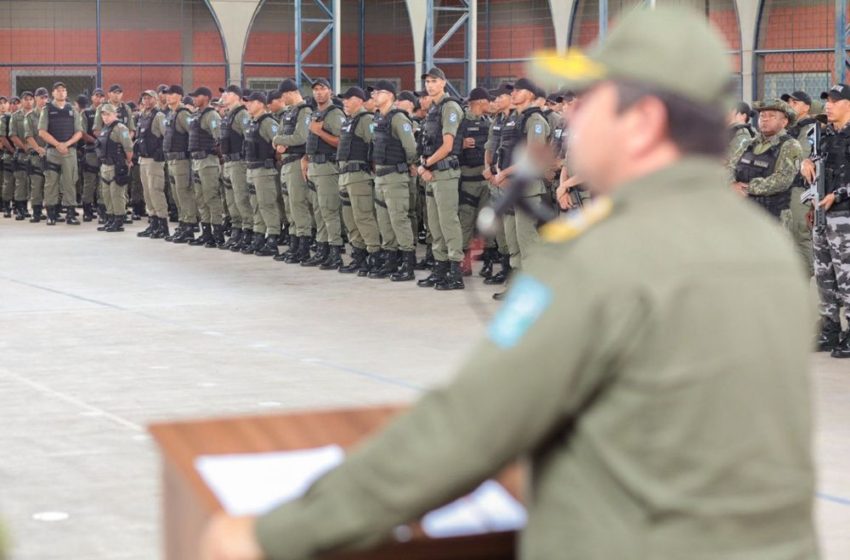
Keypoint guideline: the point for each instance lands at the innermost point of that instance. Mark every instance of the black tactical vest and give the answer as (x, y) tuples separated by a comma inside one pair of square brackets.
[(231, 141), (513, 134), (60, 122), (7, 119), (123, 114), (149, 144), (88, 120), (316, 145), (256, 148), (109, 152), (386, 148), (752, 166), (478, 129), (432, 130), (288, 123), (496, 128), (200, 140), (835, 145), (174, 141), (352, 147)]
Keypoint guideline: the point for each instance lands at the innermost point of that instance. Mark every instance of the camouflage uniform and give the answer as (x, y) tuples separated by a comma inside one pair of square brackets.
[(798, 225), (742, 134)]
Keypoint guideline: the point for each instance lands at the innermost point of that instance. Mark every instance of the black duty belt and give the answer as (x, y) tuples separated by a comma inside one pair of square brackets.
[(383, 171), (200, 155), (445, 164), (267, 164), (354, 167), (472, 179), (289, 159), (232, 157), (176, 156), (322, 158)]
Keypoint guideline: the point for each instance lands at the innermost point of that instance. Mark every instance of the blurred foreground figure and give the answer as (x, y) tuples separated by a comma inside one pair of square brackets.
[(665, 413)]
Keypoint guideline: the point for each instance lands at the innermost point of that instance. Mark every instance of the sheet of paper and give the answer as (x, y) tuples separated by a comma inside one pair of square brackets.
[(252, 484), (489, 509)]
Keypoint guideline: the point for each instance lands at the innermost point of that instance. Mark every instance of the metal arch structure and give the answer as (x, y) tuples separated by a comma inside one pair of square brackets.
[(466, 14), (329, 35)]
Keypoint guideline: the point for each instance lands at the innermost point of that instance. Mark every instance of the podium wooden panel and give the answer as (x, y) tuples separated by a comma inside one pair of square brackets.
[(188, 503)]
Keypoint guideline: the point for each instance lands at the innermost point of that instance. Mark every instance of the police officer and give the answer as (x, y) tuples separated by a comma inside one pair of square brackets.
[(408, 102), (115, 152), (61, 127), (17, 135), (769, 164), (123, 110), (638, 446), (203, 142), (260, 161), (89, 165), (804, 132), (440, 169), (8, 157), (291, 143), (832, 241), (394, 156), (175, 146), (136, 190), (356, 182), (37, 152), (740, 131), (474, 190), (151, 131), (233, 125), (323, 172), (525, 128), (507, 245), (275, 106)]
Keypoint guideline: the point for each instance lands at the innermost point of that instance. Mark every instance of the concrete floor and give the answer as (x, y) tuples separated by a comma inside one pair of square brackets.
[(102, 334)]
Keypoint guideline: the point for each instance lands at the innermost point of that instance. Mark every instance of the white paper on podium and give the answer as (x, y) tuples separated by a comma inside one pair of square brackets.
[(253, 484), (490, 509)]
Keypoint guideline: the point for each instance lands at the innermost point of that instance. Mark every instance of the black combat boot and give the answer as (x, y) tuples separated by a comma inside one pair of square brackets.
[(204, 237), (426, 263), (20, 210), (71, 217), (148, 231), (830, 335), (186, 234), (36, 214), (437, 275), (389, 267), (357, 258), (842, 350), (172, 215), (7, 208), (408, 265), (489, 257), (257, 241), (107, 222), (453, 280), (102, 216), (319, 257), (88, 213), (291, 252), (333, 261), (235, 239), (227, 226), (138, 210), (303, 254), (284, 238), (160, 228), (116, 226), (217, 240), (51, 215), (372, 262), (502, 276), (269, 248), (247, 237), (177, 232)]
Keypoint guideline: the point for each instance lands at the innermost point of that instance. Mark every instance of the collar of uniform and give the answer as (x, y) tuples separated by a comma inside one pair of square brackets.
[(690, 172), (773, 140)]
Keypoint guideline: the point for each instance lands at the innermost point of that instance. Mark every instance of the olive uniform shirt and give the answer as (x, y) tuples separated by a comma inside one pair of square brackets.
[(332, 124), (665, 413), (31, 127), (268, 130), (364, 132), (17, 126), (211, 123), (536, 131), (299, 135), (451, 116), (130, 124), (787, 164)]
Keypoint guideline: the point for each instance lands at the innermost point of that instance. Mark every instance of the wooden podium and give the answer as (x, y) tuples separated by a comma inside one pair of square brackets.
[(188, 503)]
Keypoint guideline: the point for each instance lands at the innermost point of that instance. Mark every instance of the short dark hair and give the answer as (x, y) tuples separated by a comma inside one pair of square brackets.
[(696, 129)]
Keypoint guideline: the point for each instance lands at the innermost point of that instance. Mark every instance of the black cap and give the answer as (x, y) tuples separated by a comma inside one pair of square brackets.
[(287, 85), (434, 73), (273, 95), (82, 101), (407, 95), (321, 82), (384, 85), (201, 91), (742, 108), (798, 96), (132, 105), (256, 96), (232, 88), (161, 88), (4, 98), (503, 89), (837, 92), (568, 95), (59, 84), (555, 98), (42, 92), (354, 92), (526, 84), (421, 93), (26, 94), (98, 91), (15, 99), (174, 88), (478, 94), (188, 100), (115, 88)]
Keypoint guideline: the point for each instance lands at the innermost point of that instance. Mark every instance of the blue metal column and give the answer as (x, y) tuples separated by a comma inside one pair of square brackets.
[(328, 20), (99, 79), (840, 40), (298, 42), (603, 18), (463, 10)]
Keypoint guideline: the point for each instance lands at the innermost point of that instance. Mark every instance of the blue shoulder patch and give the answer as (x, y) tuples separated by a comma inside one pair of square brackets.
[(526, 302), (538, 129), (407, 127), (274, 129), (372, 127), (453, 117)]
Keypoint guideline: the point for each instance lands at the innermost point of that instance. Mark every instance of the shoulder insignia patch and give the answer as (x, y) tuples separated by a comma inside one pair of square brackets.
[(538, 129), (453, 117), (406, 127), (527, 299), (565, 229)]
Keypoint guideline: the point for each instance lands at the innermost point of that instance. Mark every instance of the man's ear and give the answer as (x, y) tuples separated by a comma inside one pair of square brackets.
[(647, 123)]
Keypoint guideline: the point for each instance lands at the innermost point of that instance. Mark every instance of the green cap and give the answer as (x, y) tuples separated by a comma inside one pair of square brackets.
[(671, 47), (108, 108), (776, 105)]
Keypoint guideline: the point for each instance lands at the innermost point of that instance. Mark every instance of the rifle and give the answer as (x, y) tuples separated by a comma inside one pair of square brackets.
[(817, 189)]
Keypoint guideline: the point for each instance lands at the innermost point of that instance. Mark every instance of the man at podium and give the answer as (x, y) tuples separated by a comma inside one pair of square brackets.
[(651, 364)]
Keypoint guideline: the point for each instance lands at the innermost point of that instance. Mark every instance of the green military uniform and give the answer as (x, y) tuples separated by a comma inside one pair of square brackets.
[(153, 171), (180, 172), (205, 174), (17, 129), (742, 134), (356, 191), (287, 225), (36, 163), (803, 132), (114, 187), (392, 190), (507, 246), (262, 182), (60, 170), (235, 174), (125, 116), (474, 189), (136, 192), (293, 183), (8, 163), (90, 166), (325, 177)]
